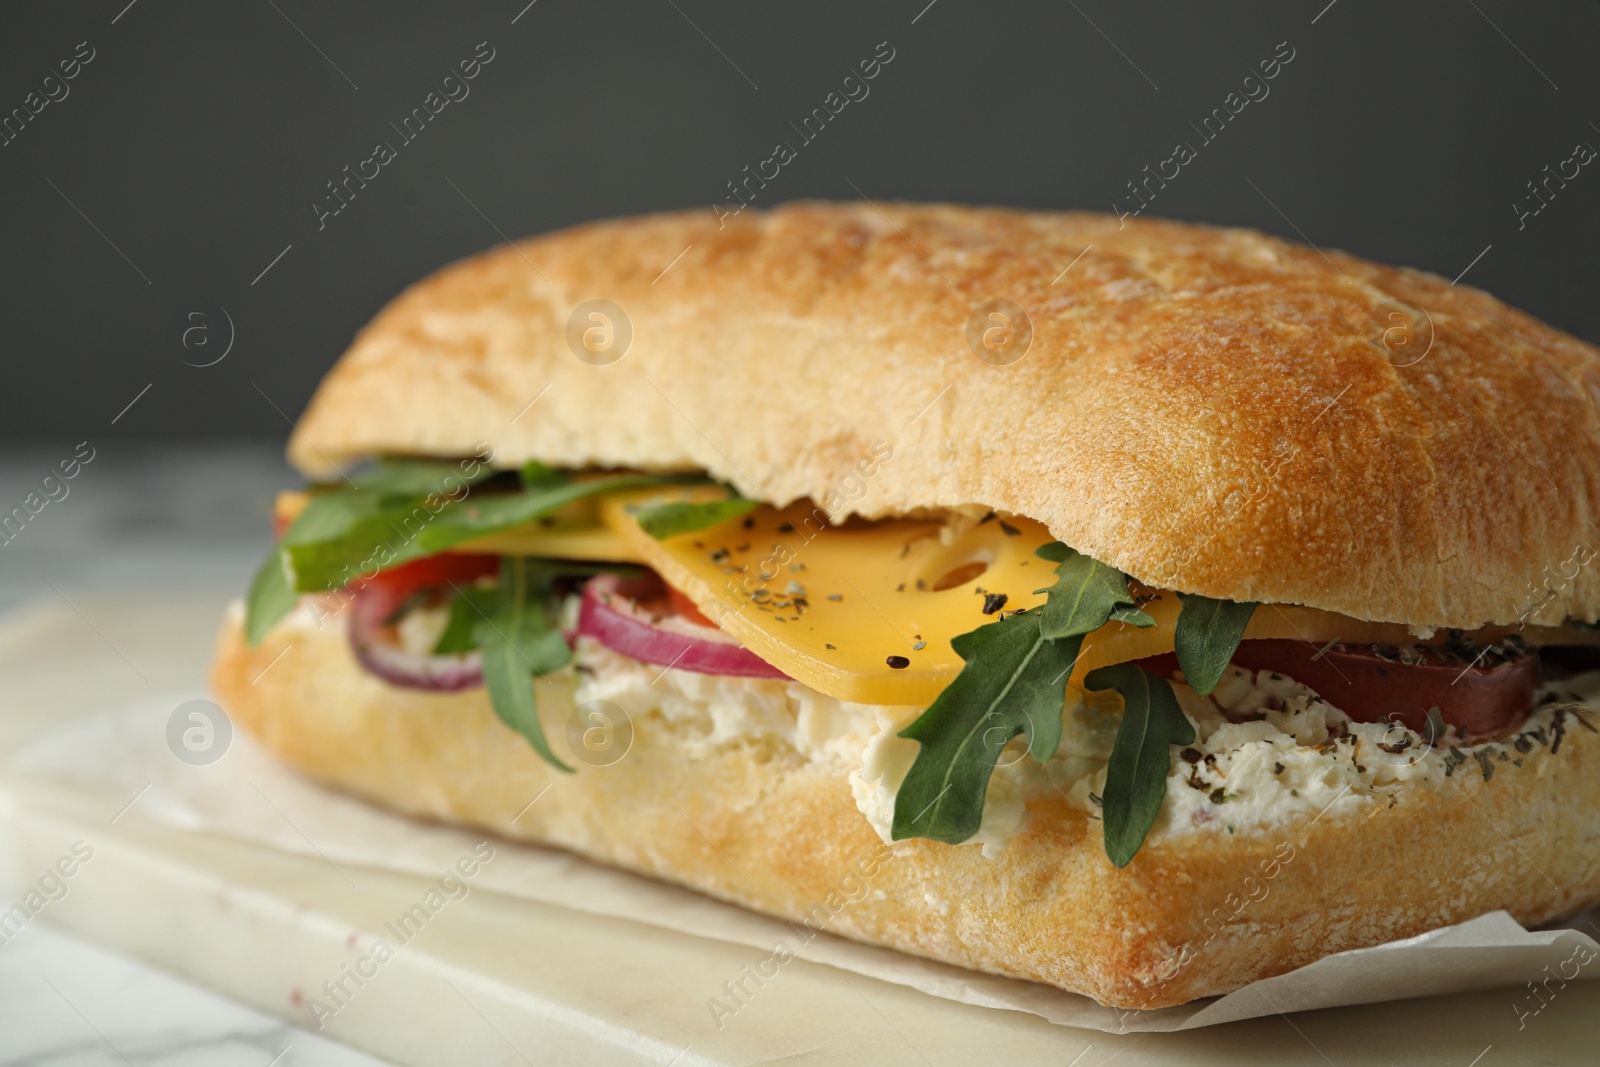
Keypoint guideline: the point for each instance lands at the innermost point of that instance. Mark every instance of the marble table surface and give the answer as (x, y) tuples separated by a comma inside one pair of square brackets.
[(64, 1003), (136, 517)]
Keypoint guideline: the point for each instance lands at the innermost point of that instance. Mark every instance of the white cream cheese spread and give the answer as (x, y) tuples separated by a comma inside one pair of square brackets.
[(1267, 749), (1293, 756)]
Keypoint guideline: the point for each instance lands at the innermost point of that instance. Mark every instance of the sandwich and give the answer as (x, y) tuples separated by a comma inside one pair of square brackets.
[(1135, 607)]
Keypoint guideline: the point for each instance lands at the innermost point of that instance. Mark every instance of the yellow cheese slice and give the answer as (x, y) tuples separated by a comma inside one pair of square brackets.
[(771, 580), (287, 506), (574, 532), (862, 611), (586, 543)]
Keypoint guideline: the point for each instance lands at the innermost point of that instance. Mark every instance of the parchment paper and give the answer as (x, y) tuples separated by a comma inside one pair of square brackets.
[(246, 794)]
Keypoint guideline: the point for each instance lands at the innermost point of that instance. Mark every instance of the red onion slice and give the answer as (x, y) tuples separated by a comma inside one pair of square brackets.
[(616, 613), (611, 615), (374, 604)]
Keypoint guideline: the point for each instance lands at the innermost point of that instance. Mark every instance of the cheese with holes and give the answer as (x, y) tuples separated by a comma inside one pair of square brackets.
[(865, 611), (862, 611)]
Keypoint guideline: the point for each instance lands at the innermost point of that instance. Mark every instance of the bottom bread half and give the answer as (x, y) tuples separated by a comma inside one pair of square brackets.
[(763, 826)]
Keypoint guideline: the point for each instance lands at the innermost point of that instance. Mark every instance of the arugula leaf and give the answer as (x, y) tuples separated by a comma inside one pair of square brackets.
[(665, 520), (344, 534), (538, 475), (336, 541), (1207, 635), (272, 596), (1085, 595), (332, 513), (1014, 681), (1132, 615), (402, 479), (1141, 756), (478, 516), (470, 604), (519, 641)]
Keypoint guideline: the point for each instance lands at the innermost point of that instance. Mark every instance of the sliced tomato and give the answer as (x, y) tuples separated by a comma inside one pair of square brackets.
[(682, 605), (429, 572), (1477, 701), (461, 567)]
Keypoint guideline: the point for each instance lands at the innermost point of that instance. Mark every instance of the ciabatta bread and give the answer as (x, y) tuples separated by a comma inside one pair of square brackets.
[(1214, 411), (1211, 411), (757, 822)]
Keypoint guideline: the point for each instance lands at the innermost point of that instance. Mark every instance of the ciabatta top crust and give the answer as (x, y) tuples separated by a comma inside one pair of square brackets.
[(1211, 410)]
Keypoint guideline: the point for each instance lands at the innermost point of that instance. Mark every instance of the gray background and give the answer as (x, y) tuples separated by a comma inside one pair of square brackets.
[(200, 135)]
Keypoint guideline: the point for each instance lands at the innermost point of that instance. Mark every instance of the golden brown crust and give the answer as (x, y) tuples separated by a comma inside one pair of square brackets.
[(1214, 411), (764, 827)]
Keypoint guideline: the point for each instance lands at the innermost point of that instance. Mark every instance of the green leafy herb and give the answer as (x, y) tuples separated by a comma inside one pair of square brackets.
[(1132, 615), (1207, 635), (538, 475), (403, 479), (1141, 756), (679, 517), (1013, 682), (478, 516), (346, 534), (519, 641), (341, 536), (272, 596), (470, 604), (1086, 594)]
